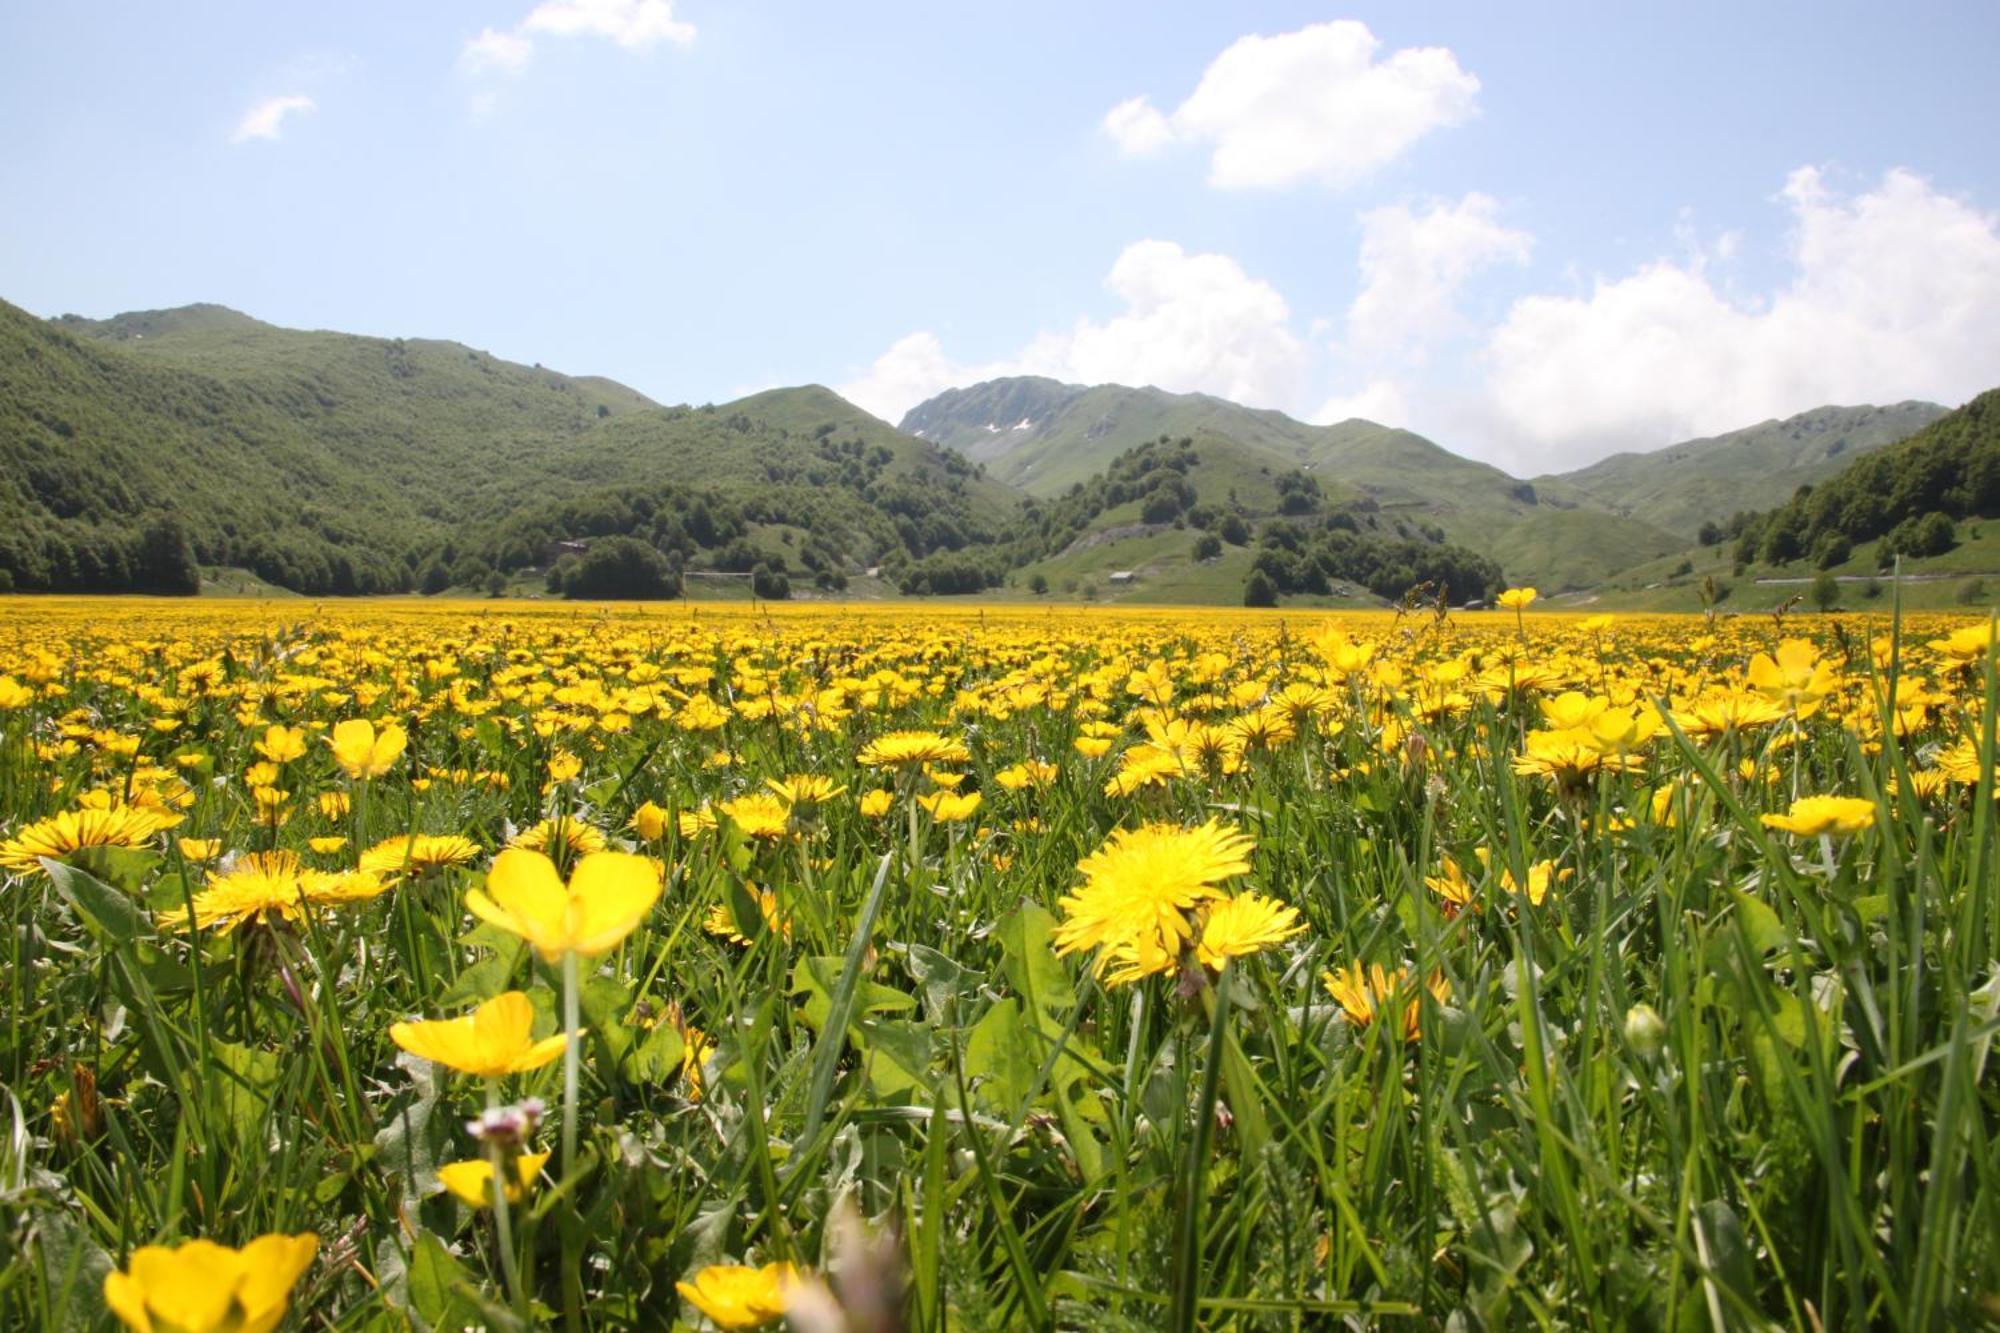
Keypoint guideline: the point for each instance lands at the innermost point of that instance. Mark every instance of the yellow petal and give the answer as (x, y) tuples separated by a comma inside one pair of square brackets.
[(191, 1287), (525, 887), (539, 1054), (127, 1299), (272, 1266), (610, 894), (500, 1029)]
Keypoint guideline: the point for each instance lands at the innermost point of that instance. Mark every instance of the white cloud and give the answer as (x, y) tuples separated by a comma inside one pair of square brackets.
[(1381, 401), (1895, 294), (914, 368), (632, 24), (1190, 323), (1314, 104), (501, 52), (1138, 128), (266, 119), (1412, 267)]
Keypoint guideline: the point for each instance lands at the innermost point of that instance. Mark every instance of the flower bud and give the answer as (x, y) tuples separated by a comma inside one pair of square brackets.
[(1645, 1031)]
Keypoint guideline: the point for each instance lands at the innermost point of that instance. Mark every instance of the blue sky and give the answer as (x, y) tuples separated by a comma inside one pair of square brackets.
[(1538, 234)]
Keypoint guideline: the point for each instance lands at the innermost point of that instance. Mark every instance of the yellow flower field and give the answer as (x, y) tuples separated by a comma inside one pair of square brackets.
[(498, 964)]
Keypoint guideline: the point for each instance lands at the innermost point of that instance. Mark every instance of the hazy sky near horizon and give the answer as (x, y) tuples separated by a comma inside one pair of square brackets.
[(1538, 234)]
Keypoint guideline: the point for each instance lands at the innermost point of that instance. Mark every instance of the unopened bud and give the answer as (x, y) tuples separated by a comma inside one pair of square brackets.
[(1645, 1031)]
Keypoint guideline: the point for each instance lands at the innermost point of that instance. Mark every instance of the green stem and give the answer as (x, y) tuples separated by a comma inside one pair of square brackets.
[(572, 1274), (1188, 1287), (503, 1222)]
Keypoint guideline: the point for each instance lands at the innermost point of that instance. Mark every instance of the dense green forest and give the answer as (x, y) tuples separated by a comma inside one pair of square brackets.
[(133, 449), (1912, 495)]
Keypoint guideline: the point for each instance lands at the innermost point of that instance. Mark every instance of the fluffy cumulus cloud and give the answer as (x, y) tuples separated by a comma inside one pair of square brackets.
[(266, 119), (1189, 323), (632, 24), (1413, 265), (1893, 294), (1320, 104), (1382, 401)]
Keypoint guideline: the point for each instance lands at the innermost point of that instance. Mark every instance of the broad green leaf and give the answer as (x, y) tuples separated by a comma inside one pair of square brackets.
[(1759, 923), (896, 1053), (110, 913), (1029, 961)]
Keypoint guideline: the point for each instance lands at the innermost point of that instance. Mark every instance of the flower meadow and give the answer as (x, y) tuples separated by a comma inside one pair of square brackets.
[(447, 965)]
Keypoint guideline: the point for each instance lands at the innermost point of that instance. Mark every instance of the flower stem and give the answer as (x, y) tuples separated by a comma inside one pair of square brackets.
[(1188, 1295), (503, 1222), (572, 1274)]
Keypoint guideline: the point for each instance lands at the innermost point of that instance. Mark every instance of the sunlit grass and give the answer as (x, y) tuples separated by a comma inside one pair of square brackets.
[(1639, 1056)]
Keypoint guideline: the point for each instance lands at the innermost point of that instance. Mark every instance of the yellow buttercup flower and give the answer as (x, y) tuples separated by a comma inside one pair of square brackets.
[(199, 850), (363, 752), (203, 1287), (1516, 599), (471, 1182), (492, 1041), (608, 895), (13, 694), (1795, 677), (281, 744), (1032, 773), (874, 804), (948, 807), (735, 1296), (649, 821), (1811, 815)]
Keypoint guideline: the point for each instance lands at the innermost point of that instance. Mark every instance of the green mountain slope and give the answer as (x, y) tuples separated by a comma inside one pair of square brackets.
[(328, 462), (1685, 485), (1047, 437)]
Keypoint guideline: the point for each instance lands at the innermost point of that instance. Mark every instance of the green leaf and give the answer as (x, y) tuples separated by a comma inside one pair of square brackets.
[(1759, 923), (1029, 961), (816, 976), (605, 1001), (483, 980), (1000, 1060), (441, 1291), (109, 913), (242, 1088), (941, 978), (413, 1136), (658, 1058), (122, 868), (897, 1056)]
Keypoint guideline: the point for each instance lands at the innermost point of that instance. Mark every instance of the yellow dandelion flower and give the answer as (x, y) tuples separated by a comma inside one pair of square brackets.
[(1838, 815), (1246, 924), (1138, 889)]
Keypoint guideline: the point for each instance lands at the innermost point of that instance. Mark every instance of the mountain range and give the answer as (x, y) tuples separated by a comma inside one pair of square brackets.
[(330, 462)]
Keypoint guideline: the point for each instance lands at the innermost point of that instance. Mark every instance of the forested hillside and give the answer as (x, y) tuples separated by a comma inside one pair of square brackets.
[(329, 463)]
